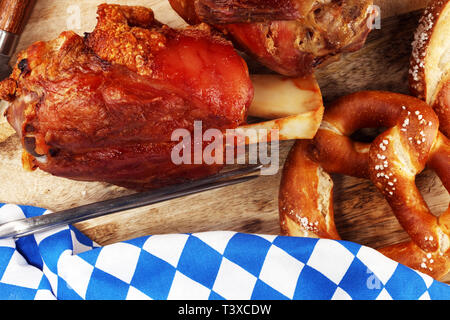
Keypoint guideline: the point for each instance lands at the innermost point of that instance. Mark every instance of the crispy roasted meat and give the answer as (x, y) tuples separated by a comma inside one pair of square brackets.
[(291, 37), (104, 107)]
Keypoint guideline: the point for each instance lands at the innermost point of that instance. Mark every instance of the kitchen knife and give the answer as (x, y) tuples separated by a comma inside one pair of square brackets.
[(20, 228), (13, 17)]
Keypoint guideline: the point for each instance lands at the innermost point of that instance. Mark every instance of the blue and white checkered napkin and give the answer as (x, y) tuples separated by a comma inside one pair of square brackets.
[(65, 264)]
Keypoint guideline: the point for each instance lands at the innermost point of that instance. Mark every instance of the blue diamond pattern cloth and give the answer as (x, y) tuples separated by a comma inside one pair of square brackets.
[(63, 264)]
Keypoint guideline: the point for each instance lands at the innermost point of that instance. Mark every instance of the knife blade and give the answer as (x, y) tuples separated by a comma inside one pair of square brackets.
[(5, 69), (8, 44), (24, 227)]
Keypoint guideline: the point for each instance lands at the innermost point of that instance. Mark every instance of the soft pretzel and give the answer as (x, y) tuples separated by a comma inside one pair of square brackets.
[(429, 73), (391, 161)]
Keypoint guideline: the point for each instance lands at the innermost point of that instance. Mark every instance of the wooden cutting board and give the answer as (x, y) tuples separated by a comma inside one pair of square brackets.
[(362, 214)]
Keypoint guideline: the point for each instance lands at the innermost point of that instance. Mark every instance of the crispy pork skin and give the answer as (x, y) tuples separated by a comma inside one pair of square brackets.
[(291, 37), (103, 107)]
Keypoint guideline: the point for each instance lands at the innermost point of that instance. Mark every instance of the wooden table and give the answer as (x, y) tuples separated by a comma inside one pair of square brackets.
[(362, 214)]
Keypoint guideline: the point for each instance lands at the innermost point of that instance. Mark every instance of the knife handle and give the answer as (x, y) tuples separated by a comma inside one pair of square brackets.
[(14, 15)]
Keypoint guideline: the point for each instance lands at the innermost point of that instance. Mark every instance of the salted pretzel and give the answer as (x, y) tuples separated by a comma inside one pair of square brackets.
[(411, 142), (429, 74)]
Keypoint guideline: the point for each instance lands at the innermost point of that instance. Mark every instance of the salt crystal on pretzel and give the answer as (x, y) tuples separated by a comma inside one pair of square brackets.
[(429, 73)]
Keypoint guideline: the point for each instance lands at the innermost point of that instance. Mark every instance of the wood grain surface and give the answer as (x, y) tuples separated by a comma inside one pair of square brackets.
[(362, 214)]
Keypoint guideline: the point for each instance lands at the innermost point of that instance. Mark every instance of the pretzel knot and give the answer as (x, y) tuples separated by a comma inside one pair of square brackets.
[(411, 142)]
